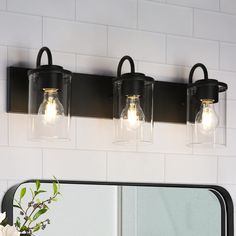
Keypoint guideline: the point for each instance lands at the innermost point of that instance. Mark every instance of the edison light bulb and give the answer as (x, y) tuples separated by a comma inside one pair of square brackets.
[(50, 108), (132, 116), (207, 119)]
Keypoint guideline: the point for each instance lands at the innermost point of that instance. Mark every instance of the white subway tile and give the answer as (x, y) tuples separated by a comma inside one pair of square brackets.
[(3, 63), (74, 165), (188, 51), (3, 189), (19, 134), (20, 30), (103, 140), (228, 150), (61, 9), (3, 186), (108, 12), (204, 4), (229, 78), (3, 4), (96, 65), (165, 18), (3, 129), (135, 167), (172, 73), (75, 37), (21, 57), (3, 96), (168, 138), (191, 169), (231, 114), (226, 170), (228, 6), (13, 182), (20, 163), (27, 58), (100, 65), (138, 44), (163, 72), (3, 115), (162, 1), (215, 26), (228, 56)]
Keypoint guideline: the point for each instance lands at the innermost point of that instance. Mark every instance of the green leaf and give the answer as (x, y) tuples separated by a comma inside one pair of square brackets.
[(38, 200), (54, 199), (58, 184), (39, 213), (24, 228), (16, 206), (32, 192), (38, 192), (54, 188), (37, 184), (18, 222), (22, 193), (37, 227)]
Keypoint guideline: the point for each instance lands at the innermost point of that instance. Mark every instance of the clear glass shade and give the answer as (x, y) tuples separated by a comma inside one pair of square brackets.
[(206, 120), (133, 115), (49, 108)]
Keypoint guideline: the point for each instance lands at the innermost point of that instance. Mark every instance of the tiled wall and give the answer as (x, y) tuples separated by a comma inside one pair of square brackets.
[(165, 37)]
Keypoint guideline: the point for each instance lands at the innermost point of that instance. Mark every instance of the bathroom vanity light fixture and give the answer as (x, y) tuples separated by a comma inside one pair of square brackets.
[(49, 100), (132, 106), (133, 100), (206, 110)]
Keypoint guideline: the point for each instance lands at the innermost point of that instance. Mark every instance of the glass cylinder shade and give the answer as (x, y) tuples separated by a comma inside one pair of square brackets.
[(133, 109), (206, 113), (49, 102)]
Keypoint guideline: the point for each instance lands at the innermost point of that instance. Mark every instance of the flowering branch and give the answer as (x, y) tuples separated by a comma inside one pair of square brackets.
[(28, 222)]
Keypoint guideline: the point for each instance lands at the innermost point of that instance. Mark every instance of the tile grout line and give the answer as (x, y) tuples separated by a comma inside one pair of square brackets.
[(193, 18), (217, 170), (42, 150), (219, 59), (42, 31), (106, 165), (166, 48), (76, 5), (137, 23), (107, 48), (8, 118), (164, 167)]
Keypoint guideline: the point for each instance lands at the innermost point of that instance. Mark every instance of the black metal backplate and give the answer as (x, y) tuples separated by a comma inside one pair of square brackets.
[(92, 96), (17, 90), (170, 102)]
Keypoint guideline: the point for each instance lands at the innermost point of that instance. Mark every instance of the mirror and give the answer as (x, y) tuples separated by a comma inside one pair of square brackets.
[(122, 209)]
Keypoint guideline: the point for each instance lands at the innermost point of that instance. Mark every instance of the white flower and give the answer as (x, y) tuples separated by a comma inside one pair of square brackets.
[(2, 217), (8, 231)]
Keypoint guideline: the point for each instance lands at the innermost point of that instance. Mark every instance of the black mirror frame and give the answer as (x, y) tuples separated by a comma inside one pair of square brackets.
[(225, 200)]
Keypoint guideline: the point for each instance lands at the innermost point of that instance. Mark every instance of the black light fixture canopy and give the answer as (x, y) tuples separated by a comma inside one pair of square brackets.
[(133, 82), (51, 74), (206, 88)]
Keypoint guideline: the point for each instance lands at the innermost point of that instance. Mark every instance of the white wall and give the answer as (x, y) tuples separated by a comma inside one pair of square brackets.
[(165, 38)]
